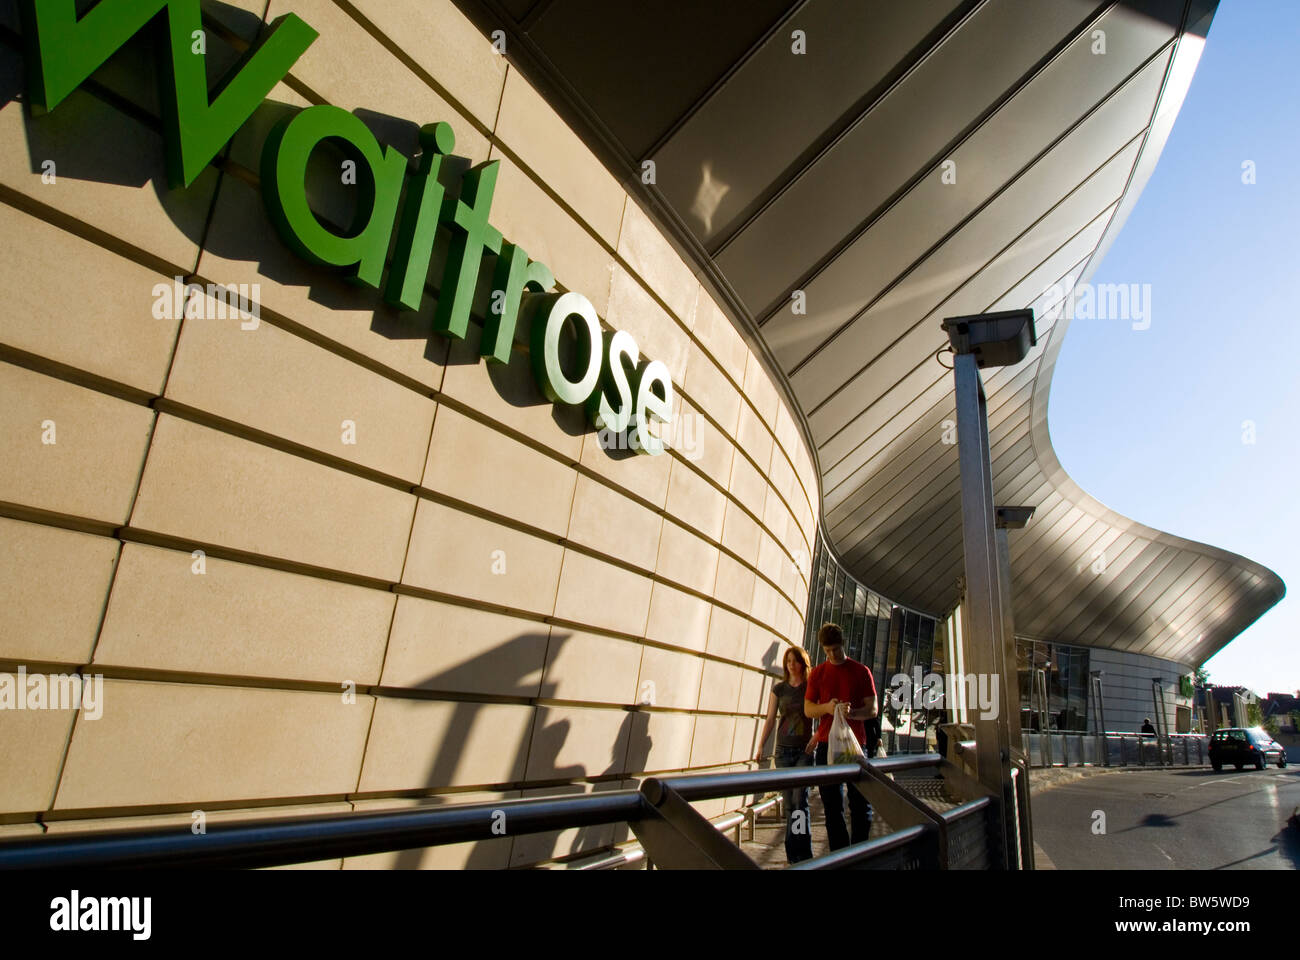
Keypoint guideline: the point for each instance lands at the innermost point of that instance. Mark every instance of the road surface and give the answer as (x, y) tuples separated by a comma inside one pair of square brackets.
[(1172, 819)]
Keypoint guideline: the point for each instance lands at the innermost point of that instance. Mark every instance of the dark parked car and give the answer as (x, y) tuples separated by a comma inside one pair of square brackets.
[(1242, 745)]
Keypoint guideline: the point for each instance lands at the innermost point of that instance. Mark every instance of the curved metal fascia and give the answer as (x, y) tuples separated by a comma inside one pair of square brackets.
[(1178, 78)]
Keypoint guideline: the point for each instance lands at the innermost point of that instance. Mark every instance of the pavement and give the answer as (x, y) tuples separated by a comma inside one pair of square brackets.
[(1043, 779), (767, 849)]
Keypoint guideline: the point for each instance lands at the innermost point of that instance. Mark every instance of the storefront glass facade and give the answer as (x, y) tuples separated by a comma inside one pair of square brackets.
[(887, 637), (1066, 672)]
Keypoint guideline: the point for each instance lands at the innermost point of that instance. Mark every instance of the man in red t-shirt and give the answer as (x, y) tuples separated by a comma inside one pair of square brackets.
[(840, 683)]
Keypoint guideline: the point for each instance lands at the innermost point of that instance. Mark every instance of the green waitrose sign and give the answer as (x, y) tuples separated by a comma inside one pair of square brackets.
[(621, 391)]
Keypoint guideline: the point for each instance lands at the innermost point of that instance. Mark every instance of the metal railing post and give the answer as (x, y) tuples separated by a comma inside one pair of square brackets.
[(1044, 723), (678, 836), (1099, 718), (1024, 815)]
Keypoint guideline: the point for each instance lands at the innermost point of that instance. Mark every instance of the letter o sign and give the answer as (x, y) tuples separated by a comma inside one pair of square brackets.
[(549, 318)]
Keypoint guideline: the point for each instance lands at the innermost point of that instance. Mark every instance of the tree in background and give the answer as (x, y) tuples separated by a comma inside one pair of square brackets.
[(1254, 715), (1201, 681)]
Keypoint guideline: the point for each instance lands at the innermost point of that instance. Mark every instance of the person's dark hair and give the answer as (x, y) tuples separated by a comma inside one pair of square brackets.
[(830, 635), (802, 654)]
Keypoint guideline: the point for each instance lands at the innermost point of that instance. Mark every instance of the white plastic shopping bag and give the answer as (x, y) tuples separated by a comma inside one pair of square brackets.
[(842, 745)]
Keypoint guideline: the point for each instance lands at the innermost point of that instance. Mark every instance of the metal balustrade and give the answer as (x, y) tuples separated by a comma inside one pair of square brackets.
[(1116, 749), (672, 833)]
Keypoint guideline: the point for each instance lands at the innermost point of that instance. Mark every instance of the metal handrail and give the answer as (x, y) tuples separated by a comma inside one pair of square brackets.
[(963, 809), (270, 843), (671, 832), (716, 785), (712, 786), (612, 861), (1136, 733), (864, 852), (635, 853)]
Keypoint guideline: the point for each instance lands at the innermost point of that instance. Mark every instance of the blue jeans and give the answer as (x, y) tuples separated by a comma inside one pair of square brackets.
[(860, 812), (798, 823)]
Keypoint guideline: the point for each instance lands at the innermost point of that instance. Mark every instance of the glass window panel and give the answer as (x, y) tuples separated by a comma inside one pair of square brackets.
[(1079, 671), (883, 630), (908, 660), (1056, 692), (813, 585), (1039, 659), (939, 663), (1024, 675), (925, 646), (912, 741), (1066, 655), (1079, 688), (838, 597), (859, 615), (895, 643), (911, 629), (811, 620), (869, 627), (825, 581), (828, 590), (831, 582)]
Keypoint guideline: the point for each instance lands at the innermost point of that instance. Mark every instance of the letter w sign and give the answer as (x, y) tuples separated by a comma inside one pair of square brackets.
[(63, 50)]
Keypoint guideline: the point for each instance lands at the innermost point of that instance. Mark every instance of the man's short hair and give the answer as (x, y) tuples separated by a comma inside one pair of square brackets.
[(830, 635)]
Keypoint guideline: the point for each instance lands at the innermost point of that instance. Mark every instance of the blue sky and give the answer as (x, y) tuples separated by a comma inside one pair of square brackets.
[(1150, 422)]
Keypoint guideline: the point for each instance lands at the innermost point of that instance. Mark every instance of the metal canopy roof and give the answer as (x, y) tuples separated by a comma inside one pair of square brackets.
[(919, 160)]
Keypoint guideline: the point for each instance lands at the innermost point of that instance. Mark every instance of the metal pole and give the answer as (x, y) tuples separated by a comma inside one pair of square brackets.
[(1044, 723), (1158, 701), (985, 645), (1010, 678), (1007, 519), (1100, 719), (1026, 822)]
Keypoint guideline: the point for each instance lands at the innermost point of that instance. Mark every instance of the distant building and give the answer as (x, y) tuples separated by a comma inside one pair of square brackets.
[(1284, 707), (1228, 706)]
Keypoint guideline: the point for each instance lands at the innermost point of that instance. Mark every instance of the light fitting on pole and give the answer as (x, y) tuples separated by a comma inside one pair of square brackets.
[(996, 339), (1013, 518)]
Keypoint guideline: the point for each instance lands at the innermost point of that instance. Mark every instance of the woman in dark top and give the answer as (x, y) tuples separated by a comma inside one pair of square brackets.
[(795, 745)]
